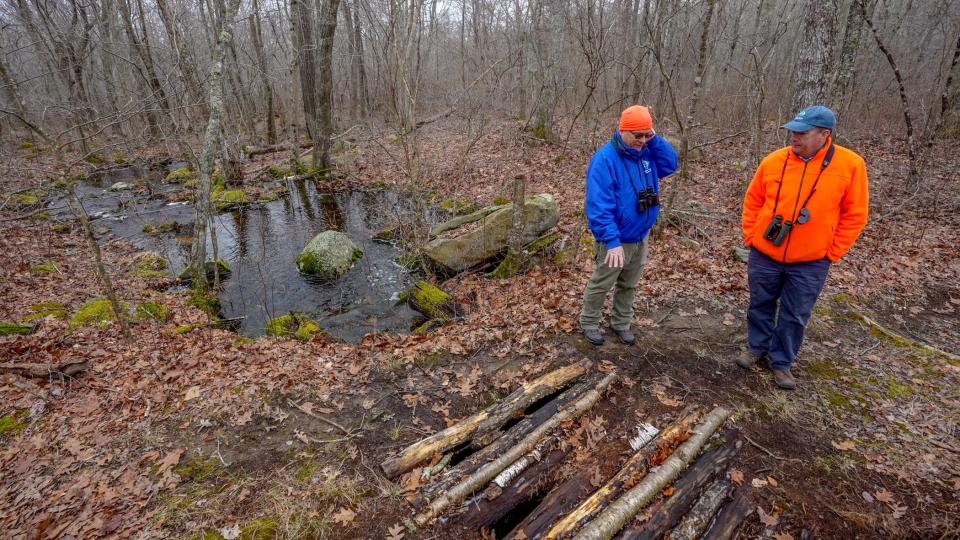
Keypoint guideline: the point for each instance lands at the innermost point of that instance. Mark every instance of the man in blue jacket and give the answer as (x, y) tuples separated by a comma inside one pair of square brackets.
[(622, 204)]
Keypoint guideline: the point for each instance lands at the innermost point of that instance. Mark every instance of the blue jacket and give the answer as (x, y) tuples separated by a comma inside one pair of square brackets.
[(614, 177)]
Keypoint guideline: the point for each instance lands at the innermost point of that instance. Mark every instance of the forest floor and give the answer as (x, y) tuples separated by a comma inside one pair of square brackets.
[(206, 433)]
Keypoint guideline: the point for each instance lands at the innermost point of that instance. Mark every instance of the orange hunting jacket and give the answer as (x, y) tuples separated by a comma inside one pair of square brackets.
[(838, 209)]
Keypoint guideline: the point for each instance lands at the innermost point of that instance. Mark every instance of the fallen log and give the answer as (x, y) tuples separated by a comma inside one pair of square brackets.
[(486, 473), (254, 151), (482, 422), (730, 517), (502, 443), (897, 338), (629, 475), (64, 369), (698, 518), (686, 490), (618, 513), (485, 511)]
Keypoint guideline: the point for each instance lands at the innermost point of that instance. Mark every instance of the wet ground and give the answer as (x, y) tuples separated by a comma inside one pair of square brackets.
[(261, 242)]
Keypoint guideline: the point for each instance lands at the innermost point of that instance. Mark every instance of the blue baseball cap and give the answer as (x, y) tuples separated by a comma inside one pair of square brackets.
[(811, 117)]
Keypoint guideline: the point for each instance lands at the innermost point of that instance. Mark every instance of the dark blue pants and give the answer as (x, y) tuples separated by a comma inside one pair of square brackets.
[(796, 286)]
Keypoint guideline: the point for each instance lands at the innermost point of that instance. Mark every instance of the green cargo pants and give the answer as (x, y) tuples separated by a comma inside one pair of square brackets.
[(604, 277)]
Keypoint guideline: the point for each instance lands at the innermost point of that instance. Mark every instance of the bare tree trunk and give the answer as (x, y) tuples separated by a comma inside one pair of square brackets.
[(846, 64), (256, 35), (814, 53), (307, 63), (185, 62), (948, 98), (547, 29), (198, 254), (328, 29), (907, 117)]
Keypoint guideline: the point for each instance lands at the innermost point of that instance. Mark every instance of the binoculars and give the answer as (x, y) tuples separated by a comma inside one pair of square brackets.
[(778, 230), (647, 199)]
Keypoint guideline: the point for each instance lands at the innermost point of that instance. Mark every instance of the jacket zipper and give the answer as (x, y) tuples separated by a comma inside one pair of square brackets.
[(795, 203)]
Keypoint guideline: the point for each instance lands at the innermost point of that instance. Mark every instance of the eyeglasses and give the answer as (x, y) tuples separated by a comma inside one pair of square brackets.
[(641, 134)]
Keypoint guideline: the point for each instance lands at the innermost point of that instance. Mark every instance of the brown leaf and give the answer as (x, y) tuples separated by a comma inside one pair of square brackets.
[(783, 536), (770, 520), (243, 419), (72, 445), (192, 393), (344, 516), (883, 495), (736, 476), (396, 532), (171, 459), (844, 446), (773, 481), (668, 491)]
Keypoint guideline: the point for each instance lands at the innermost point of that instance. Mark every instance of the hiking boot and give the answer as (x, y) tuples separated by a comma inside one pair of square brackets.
[(593, 336), (747, 359), (784, 379), (626, 336)]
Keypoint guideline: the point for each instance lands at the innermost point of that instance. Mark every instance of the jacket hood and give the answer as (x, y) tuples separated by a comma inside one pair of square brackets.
[(623, 149)]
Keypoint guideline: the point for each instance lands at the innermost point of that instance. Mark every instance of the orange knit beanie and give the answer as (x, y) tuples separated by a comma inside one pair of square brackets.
[(636, 118)]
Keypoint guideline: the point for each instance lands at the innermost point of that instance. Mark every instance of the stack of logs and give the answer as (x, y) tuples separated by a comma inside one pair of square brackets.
[(516, 466)]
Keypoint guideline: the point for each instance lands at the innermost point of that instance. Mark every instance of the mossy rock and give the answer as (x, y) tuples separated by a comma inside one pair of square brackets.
[(500, 200), (94, 159), (26, 145), (13, 329), (61, 228), (294, 325), (97, 312), (227, 199), (457, 206), (119, 158), (151, 311), (430, 300), (328, 255), (221, 267), (14, 423), (48, 267), (121, 186), (47, 309), (180, 175), (161, 228)]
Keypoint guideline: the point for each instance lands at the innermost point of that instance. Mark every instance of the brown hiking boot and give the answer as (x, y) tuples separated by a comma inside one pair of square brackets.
[(747, 359), (784, 379)]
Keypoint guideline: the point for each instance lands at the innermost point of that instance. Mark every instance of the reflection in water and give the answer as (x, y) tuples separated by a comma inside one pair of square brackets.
[(261, 243)]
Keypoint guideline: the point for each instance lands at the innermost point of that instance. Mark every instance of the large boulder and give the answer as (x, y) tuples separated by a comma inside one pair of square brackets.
[(329, 255), (468, 240)]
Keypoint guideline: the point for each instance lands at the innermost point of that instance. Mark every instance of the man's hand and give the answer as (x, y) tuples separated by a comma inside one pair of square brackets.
[(614, 258)]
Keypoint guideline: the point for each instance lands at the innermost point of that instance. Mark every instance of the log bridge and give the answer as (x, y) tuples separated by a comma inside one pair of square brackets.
[(506, 471)]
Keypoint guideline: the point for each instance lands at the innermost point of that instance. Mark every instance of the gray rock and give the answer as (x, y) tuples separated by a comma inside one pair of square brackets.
[(486, 232), (329, 255), (120, 186), (741, 254)]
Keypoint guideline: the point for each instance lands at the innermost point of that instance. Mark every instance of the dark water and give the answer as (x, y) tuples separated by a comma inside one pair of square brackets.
[(261, 243)]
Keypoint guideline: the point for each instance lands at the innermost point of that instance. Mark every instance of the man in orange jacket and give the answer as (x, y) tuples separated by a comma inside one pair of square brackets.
[(805, 207)]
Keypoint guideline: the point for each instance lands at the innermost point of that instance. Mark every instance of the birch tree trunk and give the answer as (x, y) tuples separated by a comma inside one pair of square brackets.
[(198, 253)]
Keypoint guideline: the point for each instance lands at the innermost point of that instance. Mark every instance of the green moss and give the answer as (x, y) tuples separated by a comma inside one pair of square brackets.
[(259, 529), (151, 311), (119, 158), (182, 174), (226, 199), (305, 472), (823, 369), (94, 159), (150, 265), (47, 309), (198, 468), (45, 268), (205, 302), (161, 228), (837, 402), (25, 199), (26, 145), (844, 298), (97, 312), (14, 329), (294, 325), (13, 423), (205, 535), (61, 228), (500, 200), (278, 172), (186, 328), (897, 389), (430, 300), (457, 206)]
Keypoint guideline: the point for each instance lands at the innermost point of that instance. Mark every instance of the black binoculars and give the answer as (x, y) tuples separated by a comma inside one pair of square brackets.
[(647, 199), (778, 230)]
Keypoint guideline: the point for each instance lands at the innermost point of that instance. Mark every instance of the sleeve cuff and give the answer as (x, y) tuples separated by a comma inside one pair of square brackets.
[(612, 243)]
